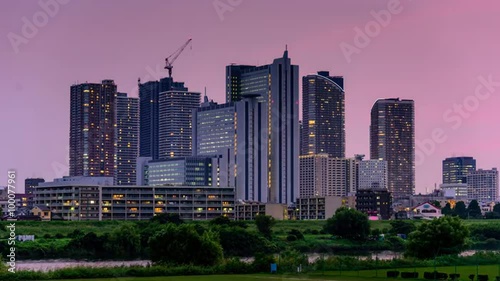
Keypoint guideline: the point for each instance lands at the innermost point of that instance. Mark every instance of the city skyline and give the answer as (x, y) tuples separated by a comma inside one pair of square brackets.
[(438, 65)]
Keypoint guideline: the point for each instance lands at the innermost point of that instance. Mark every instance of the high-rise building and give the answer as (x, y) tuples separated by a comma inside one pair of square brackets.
[(127, 139), (149, 113), (323, 113), (30, 184), (233, 81), (92, 130), (267, 130), (482, 185), (323, 175), (214, 128), (392, 138), (456, 169), (175, 136), (372, 174)]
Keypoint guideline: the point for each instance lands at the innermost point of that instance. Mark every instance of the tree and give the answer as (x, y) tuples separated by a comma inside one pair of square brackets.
[(125, 241), (496, 208), (167, 218), (460, 210), (492, 215), (348, 224), (447, 211), (402, 227), (265, 224), (436, 203), (473, 210), (182, 245), (442, 236), (221, 220)]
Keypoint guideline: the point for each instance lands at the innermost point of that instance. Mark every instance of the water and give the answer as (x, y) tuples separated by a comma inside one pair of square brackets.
[(46, 265)]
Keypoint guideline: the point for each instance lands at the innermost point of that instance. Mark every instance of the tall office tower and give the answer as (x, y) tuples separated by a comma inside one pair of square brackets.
[(372, 174), (267, 131), (214, 128), (176, 123), (149, 113), (323, 175), (482, 185), (456, 169), (127, 139), (323, 113), (233, 81), (31, 183), (214, 133), (392, 138), (92, 131)]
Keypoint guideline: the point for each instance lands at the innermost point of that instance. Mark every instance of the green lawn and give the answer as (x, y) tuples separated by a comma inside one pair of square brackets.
[(363, 275), (281, 228)]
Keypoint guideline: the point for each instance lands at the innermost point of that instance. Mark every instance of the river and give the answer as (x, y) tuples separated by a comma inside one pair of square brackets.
[(46, 265)]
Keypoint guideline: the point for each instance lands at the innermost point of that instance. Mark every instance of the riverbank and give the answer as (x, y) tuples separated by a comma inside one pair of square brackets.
[(286, 265)]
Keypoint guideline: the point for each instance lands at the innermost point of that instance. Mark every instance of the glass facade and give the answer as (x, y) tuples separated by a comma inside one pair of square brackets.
[(392, 138), (456, 169), (323, 113)]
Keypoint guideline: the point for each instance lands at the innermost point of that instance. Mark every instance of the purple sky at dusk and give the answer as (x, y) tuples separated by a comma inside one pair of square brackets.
[(432, 52)]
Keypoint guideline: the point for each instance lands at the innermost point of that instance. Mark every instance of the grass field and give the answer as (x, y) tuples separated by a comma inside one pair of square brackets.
[(491, 270), (281, 228)]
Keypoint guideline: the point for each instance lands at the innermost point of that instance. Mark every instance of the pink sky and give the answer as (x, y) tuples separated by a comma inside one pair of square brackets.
[(432, 52)]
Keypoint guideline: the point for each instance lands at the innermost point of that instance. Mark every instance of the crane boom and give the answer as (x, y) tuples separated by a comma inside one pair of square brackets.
[(171, 59)]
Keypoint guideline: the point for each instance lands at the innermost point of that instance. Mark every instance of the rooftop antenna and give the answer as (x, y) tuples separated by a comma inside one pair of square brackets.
[(205, 98)]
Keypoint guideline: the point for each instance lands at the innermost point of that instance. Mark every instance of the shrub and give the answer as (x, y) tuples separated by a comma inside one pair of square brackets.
[(59, 236), (435, 275), (291, 238), (314, 232), (413, 275), (262, 263), (47, 236), (297, 234), (454, 276), (236, 266), (392, 274), (482, 277), (471, 277)]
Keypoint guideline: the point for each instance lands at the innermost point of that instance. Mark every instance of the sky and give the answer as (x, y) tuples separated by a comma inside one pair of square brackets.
[(444, 55)]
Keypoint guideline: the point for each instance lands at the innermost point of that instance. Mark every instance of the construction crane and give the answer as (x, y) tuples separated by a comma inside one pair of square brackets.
[(171, 59)]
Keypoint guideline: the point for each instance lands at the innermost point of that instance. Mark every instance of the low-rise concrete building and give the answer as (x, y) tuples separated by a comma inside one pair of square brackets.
[(87, 201), (248, 210), (321, 208)]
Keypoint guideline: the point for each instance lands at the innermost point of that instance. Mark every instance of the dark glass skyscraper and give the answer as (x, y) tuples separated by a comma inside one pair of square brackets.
[(392, 138), (149, 114), (127, 139), (323, 113), (456, 169), (267, 130), (92, 131), (233, 81)]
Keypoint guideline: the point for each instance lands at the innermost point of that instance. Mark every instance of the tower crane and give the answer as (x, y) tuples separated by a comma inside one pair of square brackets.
[(171, 59)]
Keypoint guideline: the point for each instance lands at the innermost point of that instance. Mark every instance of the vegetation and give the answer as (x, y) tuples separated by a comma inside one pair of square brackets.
[(264, 225), (443, 236), (181, 245), (333, 268), (127, 240), (473, 210), (348, 224)]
